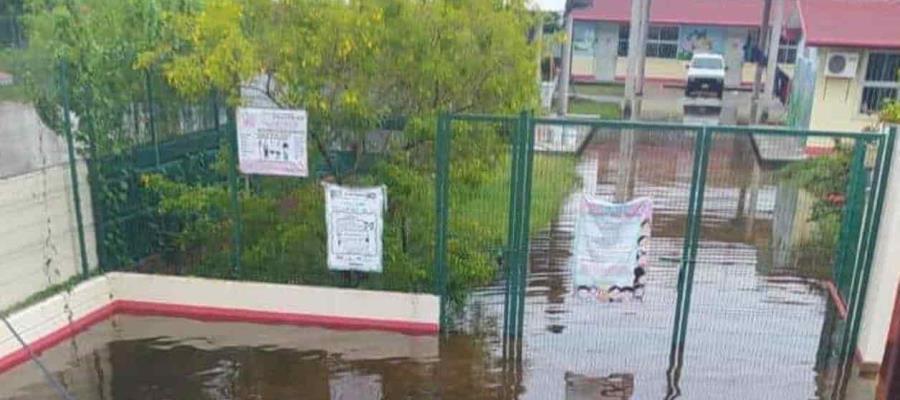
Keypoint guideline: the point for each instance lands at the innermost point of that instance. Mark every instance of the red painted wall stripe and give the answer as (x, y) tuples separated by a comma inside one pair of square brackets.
[(203, 313), (75, 327), (836, 298)]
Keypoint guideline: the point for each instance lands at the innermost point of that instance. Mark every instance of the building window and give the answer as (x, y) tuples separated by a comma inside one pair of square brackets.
[(881, 83), (662, 42), (623, 40), (584, 38), (787, 51)]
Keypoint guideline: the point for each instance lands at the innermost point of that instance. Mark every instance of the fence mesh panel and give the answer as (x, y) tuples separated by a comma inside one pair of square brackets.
[(584, 336)]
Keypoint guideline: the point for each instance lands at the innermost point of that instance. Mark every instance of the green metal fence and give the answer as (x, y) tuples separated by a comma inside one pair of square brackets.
[(762, 243), (762, 238)]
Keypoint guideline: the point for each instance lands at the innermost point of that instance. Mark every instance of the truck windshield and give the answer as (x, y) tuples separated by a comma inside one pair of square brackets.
[(707, 63)]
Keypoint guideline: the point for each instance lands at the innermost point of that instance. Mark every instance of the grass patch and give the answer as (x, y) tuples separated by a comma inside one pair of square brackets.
[(479, 218), (587, 107), (554, 179), (10, 60), (47, 293), (599, 89), (16, 93)]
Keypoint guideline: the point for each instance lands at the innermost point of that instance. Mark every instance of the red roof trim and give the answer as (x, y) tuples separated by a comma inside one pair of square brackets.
[(858, 44), (866, 24), (664, 22)]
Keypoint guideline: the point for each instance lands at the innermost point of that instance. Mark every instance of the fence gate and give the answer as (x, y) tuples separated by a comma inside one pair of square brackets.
[(759, 252)]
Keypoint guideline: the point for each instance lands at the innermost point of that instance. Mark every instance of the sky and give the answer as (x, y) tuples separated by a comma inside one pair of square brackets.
[(550, 5)]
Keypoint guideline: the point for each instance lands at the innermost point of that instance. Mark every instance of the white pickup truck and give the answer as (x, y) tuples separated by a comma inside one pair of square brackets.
[(705, 74)]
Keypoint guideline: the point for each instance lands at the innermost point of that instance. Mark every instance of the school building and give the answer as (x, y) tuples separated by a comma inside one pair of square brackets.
[(678, 28), (840, 59), (848, 58)]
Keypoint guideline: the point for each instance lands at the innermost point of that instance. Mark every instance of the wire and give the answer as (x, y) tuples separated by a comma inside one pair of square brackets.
[(53, 382)]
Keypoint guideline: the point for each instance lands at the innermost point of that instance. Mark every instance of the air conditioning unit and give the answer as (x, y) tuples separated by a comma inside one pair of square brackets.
[(841, 64)]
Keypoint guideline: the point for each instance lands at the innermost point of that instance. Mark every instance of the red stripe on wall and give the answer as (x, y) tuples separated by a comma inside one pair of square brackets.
[(75, 327), (836, 298), (889, 378)]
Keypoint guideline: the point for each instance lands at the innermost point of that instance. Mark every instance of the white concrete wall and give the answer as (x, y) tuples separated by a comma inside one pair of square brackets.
[(55, 313), (885, 273), (734, 56), (38, 231), (98, 298), (836, 101), (606, 52), (266, 297)]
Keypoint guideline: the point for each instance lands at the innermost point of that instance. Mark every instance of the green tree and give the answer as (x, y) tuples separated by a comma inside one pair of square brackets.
[(351, 65)]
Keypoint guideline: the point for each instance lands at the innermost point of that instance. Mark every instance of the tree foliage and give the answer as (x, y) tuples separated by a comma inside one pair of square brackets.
[(351, 65)]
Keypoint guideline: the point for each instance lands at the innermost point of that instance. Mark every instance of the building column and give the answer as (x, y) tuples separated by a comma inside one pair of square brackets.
[(774, 43)]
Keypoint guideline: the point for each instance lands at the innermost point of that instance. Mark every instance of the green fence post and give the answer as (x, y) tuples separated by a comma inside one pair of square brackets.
[(441, 196), (874, 213), (528, 171), (851, 223), (235, 199), (73, 167), (689, 248), (686, 244), (695, 234), (510, 264), (151, 116)]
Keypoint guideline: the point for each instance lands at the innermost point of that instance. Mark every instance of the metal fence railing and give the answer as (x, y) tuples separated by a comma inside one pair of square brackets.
[(761, 238), (761, 245)]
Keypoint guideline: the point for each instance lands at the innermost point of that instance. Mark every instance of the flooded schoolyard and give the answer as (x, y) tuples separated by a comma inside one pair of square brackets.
[(759, 327)]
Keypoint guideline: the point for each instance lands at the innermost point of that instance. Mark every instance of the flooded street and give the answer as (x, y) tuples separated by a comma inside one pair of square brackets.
[(759, 326)]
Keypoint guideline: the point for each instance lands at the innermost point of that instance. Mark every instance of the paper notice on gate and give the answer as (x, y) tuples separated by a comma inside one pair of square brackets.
[(611, 241), (354, 219), (272, 142)]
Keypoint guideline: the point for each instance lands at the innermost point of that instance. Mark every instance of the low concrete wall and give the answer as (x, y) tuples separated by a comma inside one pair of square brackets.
[(64, 315), (263, 301), (56, 318), (39, 233)]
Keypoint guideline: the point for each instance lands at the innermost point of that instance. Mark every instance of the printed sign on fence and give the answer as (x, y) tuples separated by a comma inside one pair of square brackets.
[(354, 218), (611, 243), (272, 142)]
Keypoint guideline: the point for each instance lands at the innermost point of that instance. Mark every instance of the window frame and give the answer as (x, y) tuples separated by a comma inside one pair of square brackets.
[(865, 83), (625, 30), (787, 50), (659, 42), (623, 40)]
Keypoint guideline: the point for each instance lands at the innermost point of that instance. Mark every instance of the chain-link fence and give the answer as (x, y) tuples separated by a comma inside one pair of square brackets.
[(760, 246)]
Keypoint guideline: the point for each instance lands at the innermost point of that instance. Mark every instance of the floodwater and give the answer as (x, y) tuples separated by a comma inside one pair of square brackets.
[(760, 324)]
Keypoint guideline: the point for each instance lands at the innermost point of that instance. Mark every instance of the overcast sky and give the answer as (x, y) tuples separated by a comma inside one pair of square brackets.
[(550, 5)]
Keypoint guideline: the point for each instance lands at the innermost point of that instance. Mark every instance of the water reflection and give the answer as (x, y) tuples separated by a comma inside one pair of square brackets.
[(760, 325)]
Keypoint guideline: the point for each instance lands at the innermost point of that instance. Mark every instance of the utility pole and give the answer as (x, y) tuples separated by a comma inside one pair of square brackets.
[(642, 56), (774, 43), (757, 79), (539, 39), (565, 75), (634, 86), (634, 45)]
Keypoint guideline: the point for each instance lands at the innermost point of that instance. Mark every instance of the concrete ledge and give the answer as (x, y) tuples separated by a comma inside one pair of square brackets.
[(64, 315)]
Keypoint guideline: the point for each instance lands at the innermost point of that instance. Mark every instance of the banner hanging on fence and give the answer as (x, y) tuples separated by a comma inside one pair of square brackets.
[(354, 218), (272, 142), (611, 243)]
